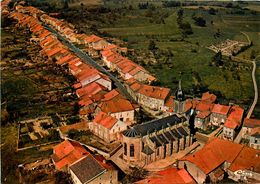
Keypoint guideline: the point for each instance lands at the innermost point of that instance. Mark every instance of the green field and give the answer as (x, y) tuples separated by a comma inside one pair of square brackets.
[(191, 55)]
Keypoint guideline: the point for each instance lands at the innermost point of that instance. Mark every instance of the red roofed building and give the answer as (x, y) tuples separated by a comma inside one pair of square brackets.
[(204, 106), (89, 90), (169, 176), (66, 153), (233, 122), (208, 97), (96, 42), (211, 160), (107, 127), (219, 114), (152, 97), (202, 119), (248, 126), (120, 108), (247, 163), (93, 169)]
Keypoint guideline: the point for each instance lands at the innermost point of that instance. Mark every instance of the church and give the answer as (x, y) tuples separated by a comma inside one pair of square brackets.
[(155, 140)]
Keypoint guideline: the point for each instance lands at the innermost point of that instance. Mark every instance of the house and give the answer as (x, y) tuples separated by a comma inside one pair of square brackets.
[(254, 138), (217, 156), (87, 74), (232, 123), (152, 97), (219, 114), (248, 125), (204, 106), (118, 107), (92, 170), (96, 42), (170, 175), (155, 140), (66, 153), (246, 166), (89, 90), (202, 120), (210, 161), (107, 127)]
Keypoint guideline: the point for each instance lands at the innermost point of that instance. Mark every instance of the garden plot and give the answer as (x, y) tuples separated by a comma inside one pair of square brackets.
[(36, 132)]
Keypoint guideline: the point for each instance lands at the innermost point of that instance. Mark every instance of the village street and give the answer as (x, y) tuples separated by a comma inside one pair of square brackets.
[(90, 61)]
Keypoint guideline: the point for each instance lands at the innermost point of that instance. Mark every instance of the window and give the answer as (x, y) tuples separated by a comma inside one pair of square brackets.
[(158, 151), (121, 119), (132, 150), (125, 149)]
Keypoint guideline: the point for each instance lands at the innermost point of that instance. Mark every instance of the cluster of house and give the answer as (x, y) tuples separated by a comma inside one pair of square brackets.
[(146, 142), (94, 89), (72, 157), (207, 113), (219, 156)]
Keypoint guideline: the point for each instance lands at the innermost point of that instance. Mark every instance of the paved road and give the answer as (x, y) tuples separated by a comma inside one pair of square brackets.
[(256, 92), (90, 61)]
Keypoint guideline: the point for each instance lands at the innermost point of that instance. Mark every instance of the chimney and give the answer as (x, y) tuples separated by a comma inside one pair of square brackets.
[(104, 161)]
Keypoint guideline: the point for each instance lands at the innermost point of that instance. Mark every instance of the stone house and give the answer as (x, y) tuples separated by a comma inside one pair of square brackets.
[(118, 107), (202, 120), (96, 42), (152, 97), (248, 126), (232, 123), (107, 127), (219, 114)]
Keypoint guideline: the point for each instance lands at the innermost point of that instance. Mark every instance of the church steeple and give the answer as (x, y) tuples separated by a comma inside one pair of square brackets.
[(179, 92)]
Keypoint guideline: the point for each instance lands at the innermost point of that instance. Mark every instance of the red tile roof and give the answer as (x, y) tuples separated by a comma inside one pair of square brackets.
[(203, 114), (93, 38), (247, 159), (234, 118), (209, 97), (110, 95), (204, 106), (220, 109), (150, 91), (213, 154), (116, 105), (169, 176), (251, 123), (89, 90), (67, 153), (105, 120)]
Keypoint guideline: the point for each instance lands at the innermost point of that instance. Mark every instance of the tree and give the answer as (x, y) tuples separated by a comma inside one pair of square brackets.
[(217, 59), (199, 21), (253, 54), (186, 28), (212, 11), (152, 45)]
